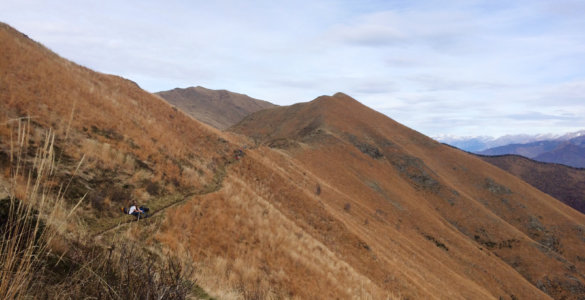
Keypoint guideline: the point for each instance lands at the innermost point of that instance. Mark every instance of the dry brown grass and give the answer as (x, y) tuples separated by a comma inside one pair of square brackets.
[(127, 137), (45, 253), (255, 252), (32, 215), (413, 204), (110, 120)]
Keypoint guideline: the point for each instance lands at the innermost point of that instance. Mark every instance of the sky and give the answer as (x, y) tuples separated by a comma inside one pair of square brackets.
[(459, 68)]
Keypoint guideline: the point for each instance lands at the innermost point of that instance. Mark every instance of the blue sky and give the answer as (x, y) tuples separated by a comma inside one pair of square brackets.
[(464, 68)]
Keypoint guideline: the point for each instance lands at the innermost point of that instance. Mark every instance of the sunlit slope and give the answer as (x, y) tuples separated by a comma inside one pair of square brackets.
[(132, 144), (436, 221)]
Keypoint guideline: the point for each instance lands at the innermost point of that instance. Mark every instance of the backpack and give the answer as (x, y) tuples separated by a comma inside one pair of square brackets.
[(124, 210)]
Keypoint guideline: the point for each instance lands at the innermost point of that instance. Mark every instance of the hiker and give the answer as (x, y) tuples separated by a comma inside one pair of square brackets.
[(238, 153), (138, 212)]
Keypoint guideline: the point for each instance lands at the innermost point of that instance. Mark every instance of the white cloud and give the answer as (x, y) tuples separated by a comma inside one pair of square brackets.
[(448, 67)]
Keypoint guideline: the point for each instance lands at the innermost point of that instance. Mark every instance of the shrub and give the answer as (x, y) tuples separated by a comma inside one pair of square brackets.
[(153, 188), (347, 207), (120, 194)]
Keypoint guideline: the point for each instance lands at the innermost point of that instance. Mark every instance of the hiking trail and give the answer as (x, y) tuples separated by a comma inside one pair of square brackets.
[(216, 183)]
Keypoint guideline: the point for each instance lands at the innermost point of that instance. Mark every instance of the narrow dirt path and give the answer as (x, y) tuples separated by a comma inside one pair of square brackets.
[(217, 182)]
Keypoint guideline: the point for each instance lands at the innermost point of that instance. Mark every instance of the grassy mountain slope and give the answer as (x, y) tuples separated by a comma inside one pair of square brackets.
[(128, 136), (129, 146), (422, 207), (134, 146), (564, 183), (218, 108)]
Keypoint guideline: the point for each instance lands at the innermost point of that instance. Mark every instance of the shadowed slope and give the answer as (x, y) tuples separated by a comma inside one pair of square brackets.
[(564, 183), (420, 207), (218, 108)]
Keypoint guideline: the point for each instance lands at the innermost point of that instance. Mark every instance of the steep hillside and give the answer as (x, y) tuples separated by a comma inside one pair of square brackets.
[(113, 143), (414, 215), (127, 135), (564, 183), (218, 108)]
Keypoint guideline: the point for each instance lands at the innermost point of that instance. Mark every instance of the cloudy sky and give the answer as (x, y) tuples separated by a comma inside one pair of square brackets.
[(463, 68)]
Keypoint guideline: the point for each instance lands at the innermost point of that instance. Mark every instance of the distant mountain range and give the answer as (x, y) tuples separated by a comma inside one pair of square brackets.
[(567, 149), (218, 108), (569, 152), (477, 144)]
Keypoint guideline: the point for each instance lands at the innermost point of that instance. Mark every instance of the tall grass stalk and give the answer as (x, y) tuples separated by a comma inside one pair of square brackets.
[(29, 225)]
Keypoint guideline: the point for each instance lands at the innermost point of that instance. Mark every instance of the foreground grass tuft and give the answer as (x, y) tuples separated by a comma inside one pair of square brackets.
[(46, 252)]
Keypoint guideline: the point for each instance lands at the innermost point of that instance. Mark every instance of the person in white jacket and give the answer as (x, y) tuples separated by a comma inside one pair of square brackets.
[(138, 212)]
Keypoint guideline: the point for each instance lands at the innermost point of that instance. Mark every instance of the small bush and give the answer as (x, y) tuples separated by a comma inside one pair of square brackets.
[(347, 207), (153, 188), (96, 198), (437, 243), (120, 194)]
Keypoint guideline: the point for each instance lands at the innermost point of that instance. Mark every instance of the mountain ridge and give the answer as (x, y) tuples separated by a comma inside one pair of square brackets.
[(218, 108), (420, 169), (480, 143)]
